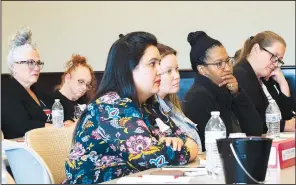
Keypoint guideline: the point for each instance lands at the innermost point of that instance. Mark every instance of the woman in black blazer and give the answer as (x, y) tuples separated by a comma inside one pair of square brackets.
[(259, 64), (216, 89), (21, 109)]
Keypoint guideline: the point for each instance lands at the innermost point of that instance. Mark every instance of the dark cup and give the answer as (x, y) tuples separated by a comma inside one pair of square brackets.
[(253, 154)]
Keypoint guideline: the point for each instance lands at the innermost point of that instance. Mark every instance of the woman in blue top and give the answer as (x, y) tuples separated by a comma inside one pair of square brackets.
[(111, 139)]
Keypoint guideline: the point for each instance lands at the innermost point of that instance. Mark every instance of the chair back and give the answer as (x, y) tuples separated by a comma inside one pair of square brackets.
[(53, 145), (26, 165)]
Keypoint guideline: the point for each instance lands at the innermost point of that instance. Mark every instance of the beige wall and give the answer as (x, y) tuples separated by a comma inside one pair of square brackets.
[(89, 28)]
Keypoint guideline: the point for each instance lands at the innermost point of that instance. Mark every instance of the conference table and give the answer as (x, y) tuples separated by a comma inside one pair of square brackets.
[(273, 176)]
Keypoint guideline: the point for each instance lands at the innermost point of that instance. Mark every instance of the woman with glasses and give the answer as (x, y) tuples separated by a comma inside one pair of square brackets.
[(216, 89), (78, 85), (22, 110), (259, 74)]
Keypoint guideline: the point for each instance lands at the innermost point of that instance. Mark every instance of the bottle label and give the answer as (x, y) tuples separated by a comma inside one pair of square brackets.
[(56, 113), (58, 118), (273, 117), (211, 136)]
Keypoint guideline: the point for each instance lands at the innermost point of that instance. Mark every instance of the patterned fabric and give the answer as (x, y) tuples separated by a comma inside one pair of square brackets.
[(173, 117), (112, 140)]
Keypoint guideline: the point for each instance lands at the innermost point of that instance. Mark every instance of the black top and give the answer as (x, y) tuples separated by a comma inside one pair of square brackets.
[(247, 79), (204, 96), (68, 105), (19, 111)]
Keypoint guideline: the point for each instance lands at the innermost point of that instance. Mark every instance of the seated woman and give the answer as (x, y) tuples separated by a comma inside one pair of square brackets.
[(77, 87), (259, 65), (22, 110), (216, 89), (111, 139), (165, 107)]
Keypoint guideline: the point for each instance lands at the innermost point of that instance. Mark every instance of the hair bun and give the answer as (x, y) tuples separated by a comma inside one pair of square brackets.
[(121, 36), (193, 37), (76, 60), (23, 36)]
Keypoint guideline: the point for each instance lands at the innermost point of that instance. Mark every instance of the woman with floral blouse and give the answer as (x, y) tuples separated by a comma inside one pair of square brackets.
[(111, 139)]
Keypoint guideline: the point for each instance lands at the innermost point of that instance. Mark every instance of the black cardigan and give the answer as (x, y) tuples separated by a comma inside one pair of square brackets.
[(204, 96), (247, 79), (19, 111)]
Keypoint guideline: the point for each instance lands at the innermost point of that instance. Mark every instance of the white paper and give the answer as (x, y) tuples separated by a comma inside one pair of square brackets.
[(151, 179), (272, 156), (288, 154), (287, 135)]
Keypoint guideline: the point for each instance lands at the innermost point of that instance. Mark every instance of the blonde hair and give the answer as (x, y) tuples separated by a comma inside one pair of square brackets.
[(75, 62), (164, 51), (264, 39)]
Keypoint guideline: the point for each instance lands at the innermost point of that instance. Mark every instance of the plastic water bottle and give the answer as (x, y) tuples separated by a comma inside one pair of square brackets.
[(215, 129), (57, 114), (273, 118)]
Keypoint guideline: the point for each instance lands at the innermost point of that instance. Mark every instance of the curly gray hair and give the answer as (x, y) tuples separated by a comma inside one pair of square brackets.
[(20, 41)]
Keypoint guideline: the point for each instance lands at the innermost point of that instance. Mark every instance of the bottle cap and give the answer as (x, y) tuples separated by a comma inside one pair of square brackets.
[(215, 113)]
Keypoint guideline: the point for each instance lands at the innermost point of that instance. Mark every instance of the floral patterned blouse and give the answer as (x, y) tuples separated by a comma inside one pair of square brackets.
[(112, 140)]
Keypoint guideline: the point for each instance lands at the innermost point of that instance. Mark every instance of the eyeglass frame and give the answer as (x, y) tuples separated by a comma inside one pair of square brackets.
[(82, 82), (221, 62), (32, 63), (279, 62)]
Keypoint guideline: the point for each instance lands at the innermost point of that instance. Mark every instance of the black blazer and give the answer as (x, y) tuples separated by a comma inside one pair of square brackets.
[(247, 79), (204, 96), (19, 112)]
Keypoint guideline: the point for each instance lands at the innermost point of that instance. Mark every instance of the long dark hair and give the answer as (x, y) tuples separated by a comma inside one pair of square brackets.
[(124, 55)]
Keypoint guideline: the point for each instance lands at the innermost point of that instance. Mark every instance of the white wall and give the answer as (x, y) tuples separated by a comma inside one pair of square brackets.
[(90, 28)]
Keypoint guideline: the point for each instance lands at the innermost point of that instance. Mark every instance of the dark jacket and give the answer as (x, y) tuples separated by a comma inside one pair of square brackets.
[(19, 111), (204, 96), (247, 79)]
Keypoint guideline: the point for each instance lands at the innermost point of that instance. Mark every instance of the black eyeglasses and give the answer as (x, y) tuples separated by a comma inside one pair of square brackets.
[(32, 63), (82, 82), (274, 58), (221, 64)]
